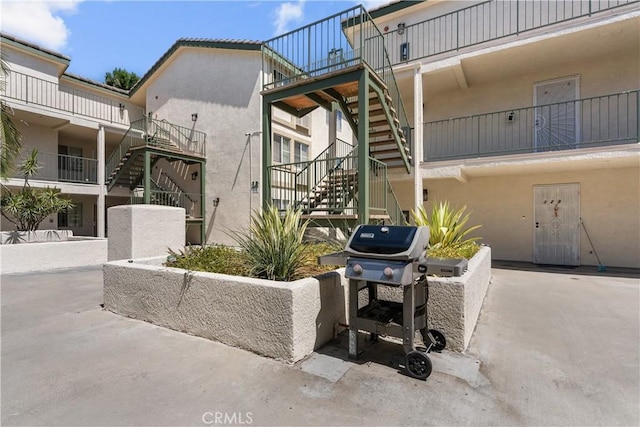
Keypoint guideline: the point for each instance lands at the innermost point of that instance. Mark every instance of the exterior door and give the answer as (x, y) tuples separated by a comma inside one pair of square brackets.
[(556, 237), (556, 114)]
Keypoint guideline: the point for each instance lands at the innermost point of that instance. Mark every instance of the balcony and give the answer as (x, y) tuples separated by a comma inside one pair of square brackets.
[(64, 168), (44, 93), (484, 22), (589, 122)]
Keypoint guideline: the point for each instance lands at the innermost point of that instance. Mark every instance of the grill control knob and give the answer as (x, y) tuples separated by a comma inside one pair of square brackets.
[(357, 268), (388, 272)]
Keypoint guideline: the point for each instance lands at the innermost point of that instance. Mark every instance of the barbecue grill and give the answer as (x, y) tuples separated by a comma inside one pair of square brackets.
[(380, 255)]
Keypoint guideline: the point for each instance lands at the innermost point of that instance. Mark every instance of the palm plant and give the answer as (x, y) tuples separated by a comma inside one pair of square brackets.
[(10, 145), (446, 227), (30, 206), (273, 245)]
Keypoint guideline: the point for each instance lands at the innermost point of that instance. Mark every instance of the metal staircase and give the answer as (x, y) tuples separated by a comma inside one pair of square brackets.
[(147, 142), (343, 64)]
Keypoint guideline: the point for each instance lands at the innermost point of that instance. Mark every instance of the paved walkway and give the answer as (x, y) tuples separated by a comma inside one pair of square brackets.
[(558, 348)]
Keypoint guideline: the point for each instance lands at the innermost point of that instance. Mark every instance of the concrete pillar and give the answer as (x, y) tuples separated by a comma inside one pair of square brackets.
[(418, 138), (102, 189), (141, 231)]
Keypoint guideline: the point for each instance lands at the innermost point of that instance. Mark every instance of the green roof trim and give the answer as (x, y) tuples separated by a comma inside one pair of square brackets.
[(250, 45)]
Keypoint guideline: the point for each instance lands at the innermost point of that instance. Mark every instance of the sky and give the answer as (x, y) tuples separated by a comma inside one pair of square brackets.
[(102, 35)]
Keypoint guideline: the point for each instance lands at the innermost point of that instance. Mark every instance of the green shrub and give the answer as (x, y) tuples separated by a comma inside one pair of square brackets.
[(448, 235), (213, 259), (273, 245)]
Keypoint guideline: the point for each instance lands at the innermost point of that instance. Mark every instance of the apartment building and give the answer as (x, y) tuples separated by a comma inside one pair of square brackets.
[(526, 112), (186, 135)]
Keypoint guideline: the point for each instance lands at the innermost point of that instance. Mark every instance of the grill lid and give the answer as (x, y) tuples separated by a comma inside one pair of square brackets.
[(390, 242)]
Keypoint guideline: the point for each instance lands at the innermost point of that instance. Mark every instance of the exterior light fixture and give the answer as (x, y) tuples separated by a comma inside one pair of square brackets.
[(194, 176), (121, 108), (425, 195), (254, 186), (216, 202), (401, 28), (511, 116), (194, 117)]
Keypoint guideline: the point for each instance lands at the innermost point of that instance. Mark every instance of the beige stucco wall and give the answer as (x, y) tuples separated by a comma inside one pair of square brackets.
[(598, 77), (222, 86), (31, 65), (503, 205)]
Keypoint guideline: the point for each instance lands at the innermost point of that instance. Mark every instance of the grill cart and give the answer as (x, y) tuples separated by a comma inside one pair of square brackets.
[(380, 255)]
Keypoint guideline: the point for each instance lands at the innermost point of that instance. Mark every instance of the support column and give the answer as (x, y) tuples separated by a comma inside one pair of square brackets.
[(203, 202), (363, 148), (147, 177), (102, 189), (266, 152), (418, 137)]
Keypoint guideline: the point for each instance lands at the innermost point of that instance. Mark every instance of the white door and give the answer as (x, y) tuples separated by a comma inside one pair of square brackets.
[(556, 235), (556, 114)]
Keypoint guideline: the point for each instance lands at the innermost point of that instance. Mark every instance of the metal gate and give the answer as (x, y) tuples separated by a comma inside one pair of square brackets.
[(556, 115), (556, 236)]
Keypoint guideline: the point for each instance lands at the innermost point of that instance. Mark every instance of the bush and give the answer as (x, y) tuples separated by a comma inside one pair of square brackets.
[(273, 245), (447, 231), (213, 259)]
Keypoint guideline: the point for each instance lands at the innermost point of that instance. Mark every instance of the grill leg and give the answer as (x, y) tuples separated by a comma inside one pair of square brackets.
[(408, 325), (353, 319)]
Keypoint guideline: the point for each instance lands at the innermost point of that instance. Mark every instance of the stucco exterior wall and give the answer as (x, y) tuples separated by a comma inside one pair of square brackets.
[(222, 86), (31, 65), (503, 205), (597, 77)]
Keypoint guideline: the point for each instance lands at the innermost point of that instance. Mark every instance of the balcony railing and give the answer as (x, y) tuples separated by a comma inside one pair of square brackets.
[(64, 168), (597, 121), (483, 22), (189, 201), (33, 90)]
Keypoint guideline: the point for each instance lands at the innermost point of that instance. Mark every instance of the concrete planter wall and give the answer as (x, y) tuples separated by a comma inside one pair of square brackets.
[(17, 237), (40, 256), (454, 302), (282, 320)]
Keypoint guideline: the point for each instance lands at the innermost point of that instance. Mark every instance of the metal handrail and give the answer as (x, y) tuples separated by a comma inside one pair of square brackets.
[(63, 168), (484, 22), (37, 91), (189, 201), (587, 122)]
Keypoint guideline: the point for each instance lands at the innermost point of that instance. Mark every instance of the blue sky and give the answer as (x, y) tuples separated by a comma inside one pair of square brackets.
[(102, 35)]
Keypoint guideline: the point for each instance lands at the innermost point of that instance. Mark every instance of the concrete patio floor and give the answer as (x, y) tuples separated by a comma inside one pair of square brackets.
[(551, 348)]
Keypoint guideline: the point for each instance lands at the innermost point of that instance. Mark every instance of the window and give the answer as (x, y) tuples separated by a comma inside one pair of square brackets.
[(339, 121), (71, 218), (281, 149), (281, 204), (300, 152)]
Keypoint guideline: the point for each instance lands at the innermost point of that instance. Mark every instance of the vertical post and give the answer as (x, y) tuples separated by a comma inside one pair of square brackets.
[(147, 177), (363, 148), (102, 191), (418, 137), (203, 202), (266, 152)]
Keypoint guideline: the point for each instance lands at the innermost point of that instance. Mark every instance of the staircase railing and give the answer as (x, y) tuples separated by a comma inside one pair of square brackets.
[(176, 188), (382, 198), (156, 133), (189, 201), (189, 141)]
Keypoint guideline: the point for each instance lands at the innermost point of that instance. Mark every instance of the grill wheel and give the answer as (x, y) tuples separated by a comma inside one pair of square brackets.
[(418, 365)]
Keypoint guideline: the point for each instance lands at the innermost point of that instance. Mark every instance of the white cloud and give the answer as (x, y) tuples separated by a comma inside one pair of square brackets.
[(287, 13), (373, 4), (39, 22)]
